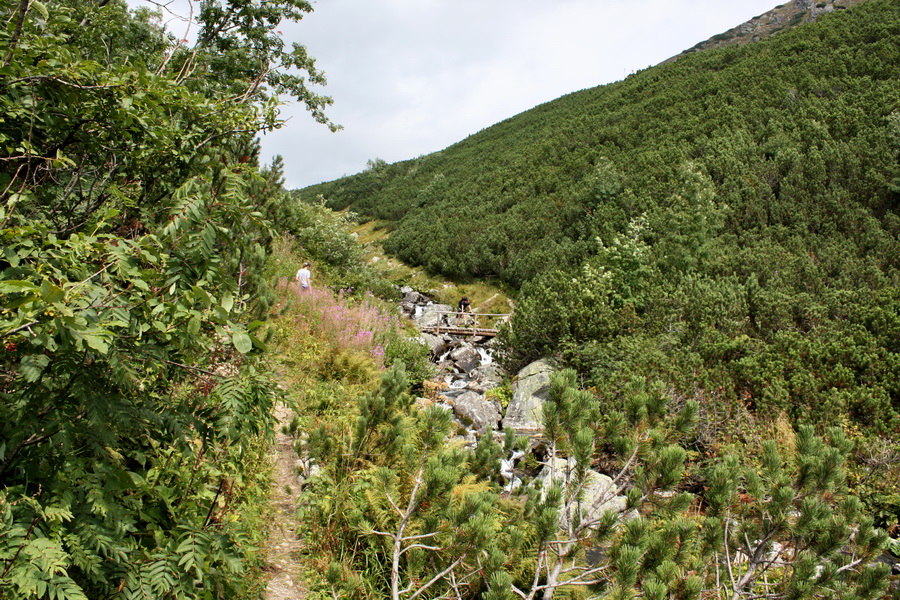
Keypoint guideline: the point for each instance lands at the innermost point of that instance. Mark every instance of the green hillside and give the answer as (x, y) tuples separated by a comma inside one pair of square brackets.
[(727, 222), (811, 106)]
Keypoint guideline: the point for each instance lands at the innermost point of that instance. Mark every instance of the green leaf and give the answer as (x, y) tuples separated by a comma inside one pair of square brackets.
[(193, 327), (12, 286), (32, 366), (97, 343), (227, 302), (259, 344), (50, 292), (242, 342), (38, 6)]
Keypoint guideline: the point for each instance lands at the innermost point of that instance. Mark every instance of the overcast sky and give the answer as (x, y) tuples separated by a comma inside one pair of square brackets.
[(411, 77)]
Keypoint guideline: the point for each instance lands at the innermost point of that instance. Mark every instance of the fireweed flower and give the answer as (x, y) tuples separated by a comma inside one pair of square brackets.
[(350, 324)]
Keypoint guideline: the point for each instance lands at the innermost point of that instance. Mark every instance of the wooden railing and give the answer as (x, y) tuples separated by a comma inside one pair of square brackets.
[(467, 323)]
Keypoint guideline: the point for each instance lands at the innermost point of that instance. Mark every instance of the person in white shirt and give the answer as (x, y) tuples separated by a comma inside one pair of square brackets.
[(304, 278)]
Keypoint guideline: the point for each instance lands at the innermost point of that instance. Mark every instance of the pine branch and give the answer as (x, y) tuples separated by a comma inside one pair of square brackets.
[(438, 577)]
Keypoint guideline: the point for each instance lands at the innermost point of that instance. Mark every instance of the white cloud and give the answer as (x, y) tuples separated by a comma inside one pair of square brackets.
[(410, 77)]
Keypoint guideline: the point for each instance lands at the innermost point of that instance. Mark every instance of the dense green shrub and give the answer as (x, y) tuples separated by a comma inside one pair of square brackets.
[(759, 184), (136, 414)]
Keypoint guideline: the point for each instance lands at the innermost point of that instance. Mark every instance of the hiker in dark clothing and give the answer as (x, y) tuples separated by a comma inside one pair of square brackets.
[(462, 311)]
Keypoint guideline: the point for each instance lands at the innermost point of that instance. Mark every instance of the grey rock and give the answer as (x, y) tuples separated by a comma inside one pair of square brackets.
[(471, 407), (445, 366), (412, 300), (486, 377), (529, 391), (597, 491), (467, 364), (414, 297), (817, 11), (464, 350), (430, 316), (465, 357), (435, 343)]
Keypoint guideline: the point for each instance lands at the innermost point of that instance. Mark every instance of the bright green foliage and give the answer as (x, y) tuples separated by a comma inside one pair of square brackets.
[(813, 136), (784, 528), (789, 527), (322, 236), (245, 55), (399, 510), (643, 457), (132, 444), (418, 523)]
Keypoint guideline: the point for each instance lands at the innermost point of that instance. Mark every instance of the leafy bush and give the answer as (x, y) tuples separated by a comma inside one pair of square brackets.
[(136, 414)]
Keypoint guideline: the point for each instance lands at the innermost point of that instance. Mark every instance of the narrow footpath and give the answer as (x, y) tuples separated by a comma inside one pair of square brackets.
[(284, 545)]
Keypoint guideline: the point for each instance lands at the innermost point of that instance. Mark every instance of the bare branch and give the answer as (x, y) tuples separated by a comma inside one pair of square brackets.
[(421, 536), (18, 329), (23, 11), (423, 546), (391, 501), (61, 82), (438, 577)]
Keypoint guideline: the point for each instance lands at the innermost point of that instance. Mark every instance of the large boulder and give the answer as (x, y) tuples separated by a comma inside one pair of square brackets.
[(464, 350), (436, 344), (465, 357), (483, 415), (529, 391), (486, 377), (598, 494), (430, 316), (411, 300)]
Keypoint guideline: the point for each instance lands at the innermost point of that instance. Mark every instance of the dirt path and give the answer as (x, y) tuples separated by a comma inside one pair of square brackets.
[(284, 544)]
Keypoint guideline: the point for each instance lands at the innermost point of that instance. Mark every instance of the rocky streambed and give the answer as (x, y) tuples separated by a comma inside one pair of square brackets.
[(467, 372)]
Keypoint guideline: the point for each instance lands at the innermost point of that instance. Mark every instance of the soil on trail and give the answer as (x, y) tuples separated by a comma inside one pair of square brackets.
[(284, 544)]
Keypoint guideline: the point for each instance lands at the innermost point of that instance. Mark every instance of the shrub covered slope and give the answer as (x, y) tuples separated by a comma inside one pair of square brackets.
[(792, 134), (727, 222)]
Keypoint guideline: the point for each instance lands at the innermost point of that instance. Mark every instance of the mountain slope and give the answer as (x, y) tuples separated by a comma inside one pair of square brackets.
[(780, 18), (515, 187), (725, 224)]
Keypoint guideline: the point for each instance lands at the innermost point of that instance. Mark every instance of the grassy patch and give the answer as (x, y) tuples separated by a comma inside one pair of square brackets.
[(486, 296)]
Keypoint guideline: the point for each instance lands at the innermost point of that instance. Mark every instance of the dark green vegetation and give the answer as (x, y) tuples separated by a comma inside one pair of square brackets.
[(743, 286), (134, 417), (727, 224)]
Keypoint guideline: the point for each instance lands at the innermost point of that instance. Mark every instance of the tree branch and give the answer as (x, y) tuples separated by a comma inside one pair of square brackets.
[(438, 577), (61, 82), (23, 11)]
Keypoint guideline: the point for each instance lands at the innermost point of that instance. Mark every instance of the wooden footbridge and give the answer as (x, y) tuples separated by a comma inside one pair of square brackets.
[(468, 323)]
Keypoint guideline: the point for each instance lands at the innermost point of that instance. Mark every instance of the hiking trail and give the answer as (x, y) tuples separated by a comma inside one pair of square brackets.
[(284, 544)]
